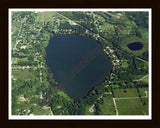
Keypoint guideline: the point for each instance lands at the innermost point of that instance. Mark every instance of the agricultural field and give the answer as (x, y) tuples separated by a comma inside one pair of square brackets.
[(106, 105), (23, 74), (47, 16), (132, 106), (122, 93), (143, 91), (132, 39), (33, 108)]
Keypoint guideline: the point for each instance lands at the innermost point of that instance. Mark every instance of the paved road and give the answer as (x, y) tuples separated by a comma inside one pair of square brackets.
[(40, 73), (115, 105), (132, 97), (141, 78), (21, 67), (117, 17), (91, 108), (17, 39), (80, 25), (142, 60), (18, 34)]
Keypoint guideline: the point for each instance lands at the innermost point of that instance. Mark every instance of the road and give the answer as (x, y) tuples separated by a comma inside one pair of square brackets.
[(40, 73), (17, 41), (141, 78), (72, 21), (18, 35), (22, 67), (115, 105), (132, 97), (91, 108), (114, 101), (142, 60), (80, 25), (117, 17), (93, 32), (28, 67)]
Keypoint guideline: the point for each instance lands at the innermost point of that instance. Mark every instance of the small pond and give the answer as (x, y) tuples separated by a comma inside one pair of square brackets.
[(135, 46)]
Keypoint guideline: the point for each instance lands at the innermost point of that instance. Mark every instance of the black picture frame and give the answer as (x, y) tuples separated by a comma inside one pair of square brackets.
[(5, 5)]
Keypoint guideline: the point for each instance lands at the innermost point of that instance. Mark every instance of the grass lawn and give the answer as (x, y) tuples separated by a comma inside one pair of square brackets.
[(47, 16), (132, 39), (115, 86), (124, 64), (15, 28), (107, 106), (146, 79), (22, 59), (110, 28), (108, 25), (61, 93), (40, 111), (142, 90), (144, 34), (132, 106), (13, 43), (37, 110), (130, 92), (22, 74)]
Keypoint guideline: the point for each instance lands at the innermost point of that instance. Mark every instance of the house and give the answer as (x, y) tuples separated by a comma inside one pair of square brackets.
[(73, 23), (41, 96), (23, 47), (89, 14)]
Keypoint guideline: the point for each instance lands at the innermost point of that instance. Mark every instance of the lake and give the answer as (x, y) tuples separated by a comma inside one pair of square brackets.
[(135, 46), (78, 63)]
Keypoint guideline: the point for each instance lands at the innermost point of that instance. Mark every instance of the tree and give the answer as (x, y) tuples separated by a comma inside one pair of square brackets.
[(26, 95), (98, 110), (31, 57)]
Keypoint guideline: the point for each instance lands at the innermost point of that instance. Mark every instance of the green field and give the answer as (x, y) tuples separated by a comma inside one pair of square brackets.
[(61, 93), (142, 91), (125, 64), (107, 106), (37, 110), (144, 34), (47, 16), (13, 43), (132, 39), (15, 31), (22, 74), (130, 92), (146, 79), (40, 111), (106, 27), (132, 106)]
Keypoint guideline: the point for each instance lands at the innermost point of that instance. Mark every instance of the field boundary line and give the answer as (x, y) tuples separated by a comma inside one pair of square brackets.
[(115, 105)]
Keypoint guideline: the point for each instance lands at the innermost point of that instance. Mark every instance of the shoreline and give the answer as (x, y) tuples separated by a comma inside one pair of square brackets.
[(60, 85)]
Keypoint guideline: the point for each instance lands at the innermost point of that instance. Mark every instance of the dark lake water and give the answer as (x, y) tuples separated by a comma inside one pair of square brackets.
[(135, 46), (78, 63)]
